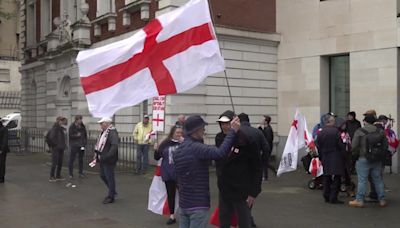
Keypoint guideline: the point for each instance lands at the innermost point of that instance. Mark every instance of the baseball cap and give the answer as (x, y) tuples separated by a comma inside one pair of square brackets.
[(105, 119), (223, 119)]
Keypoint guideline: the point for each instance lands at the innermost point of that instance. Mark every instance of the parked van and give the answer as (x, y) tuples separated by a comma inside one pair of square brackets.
[(12, 121)]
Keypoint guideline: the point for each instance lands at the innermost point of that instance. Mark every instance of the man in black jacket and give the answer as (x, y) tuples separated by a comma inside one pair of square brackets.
[(268, 133), (107, 154), (77, 142), (3, 151), (352, 124), (57, 142), (332, 153), (239, 178)]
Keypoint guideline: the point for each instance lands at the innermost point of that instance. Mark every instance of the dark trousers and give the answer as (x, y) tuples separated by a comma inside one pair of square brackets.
[(331, 187), (171, 190), (108, 176), (56, 162), (228, 207), (3, 157), (74, 151), (266, 166)]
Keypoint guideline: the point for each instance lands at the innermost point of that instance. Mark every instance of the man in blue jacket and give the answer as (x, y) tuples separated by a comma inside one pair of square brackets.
[(191, 165)]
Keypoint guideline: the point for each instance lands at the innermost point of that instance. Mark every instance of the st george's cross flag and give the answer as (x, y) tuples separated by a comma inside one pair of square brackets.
[(158, 200), (173, 53)]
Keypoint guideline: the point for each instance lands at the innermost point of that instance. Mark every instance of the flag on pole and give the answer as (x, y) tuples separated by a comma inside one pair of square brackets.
[(158, 201), (299, 137), (173, 53)]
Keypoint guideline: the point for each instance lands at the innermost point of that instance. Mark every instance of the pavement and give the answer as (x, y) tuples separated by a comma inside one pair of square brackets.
[(27, 199)]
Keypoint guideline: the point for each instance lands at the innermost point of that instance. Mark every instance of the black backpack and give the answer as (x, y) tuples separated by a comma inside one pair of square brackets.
[(375, 149)]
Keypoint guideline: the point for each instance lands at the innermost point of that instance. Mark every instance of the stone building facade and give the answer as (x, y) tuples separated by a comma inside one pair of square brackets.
[(339, 56), (10, 78), (55, 31)]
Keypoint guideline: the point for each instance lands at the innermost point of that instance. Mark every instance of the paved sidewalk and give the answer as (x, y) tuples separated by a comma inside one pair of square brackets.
[(27, 199)]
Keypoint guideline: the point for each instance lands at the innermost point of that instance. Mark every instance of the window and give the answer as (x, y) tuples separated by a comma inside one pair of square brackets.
[(398, 8), (31, 23), (46, 22), (4, 75), (104, 7), (339, 81), (12, 124)]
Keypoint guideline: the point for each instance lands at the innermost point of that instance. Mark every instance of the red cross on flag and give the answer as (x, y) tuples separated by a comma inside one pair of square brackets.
[(173, 53), (298, 137)]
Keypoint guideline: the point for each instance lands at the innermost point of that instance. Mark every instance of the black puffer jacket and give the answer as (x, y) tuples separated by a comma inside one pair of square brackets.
[(58, 137), (77, 135)]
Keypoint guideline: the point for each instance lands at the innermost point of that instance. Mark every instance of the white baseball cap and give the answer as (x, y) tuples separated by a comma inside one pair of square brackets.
[(224, 119), (105, 119)]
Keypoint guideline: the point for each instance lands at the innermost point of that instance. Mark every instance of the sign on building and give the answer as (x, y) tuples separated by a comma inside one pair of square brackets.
[(158, 113)]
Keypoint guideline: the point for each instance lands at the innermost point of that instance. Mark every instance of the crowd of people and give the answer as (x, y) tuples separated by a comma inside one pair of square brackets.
[(345, 146), (241, 155)]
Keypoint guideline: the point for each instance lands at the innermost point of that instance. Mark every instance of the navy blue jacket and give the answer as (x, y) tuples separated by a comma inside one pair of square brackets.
[(331, 150), (191, 166), (165, 151)]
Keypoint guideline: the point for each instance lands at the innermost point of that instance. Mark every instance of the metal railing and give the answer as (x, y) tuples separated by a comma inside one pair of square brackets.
[(33, 141)]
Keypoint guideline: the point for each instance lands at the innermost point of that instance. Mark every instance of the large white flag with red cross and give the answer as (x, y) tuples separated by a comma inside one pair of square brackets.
[(173, 53)]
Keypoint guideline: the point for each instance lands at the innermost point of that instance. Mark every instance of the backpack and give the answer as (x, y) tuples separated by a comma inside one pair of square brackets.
[(375, 150)]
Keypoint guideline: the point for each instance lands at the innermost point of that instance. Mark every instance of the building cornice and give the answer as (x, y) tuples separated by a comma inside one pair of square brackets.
[(32, 65), (238, 35)]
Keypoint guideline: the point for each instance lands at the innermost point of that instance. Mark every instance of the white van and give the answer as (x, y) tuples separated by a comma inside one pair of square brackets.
[(12, 121)]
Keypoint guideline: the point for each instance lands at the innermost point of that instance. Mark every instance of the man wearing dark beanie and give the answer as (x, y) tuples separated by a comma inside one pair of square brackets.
[(352, 124), (363, 166), (191, 165)]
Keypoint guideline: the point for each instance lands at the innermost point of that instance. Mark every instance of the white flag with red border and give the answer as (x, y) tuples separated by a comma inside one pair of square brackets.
[(173, 53)]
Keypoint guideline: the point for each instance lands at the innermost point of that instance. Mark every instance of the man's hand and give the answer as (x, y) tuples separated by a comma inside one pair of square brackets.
[(250, 200), (235, 124)]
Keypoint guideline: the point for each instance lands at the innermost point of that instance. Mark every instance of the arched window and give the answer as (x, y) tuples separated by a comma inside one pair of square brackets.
[(65, 88)]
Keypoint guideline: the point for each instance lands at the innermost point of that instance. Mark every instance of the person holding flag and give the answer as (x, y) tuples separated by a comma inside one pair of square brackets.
[(191, 164), (165, 152)]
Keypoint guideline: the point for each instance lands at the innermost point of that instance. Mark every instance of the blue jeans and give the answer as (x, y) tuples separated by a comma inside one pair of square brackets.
[(363, 168), (142, 157), (193, 219), (107, 175)]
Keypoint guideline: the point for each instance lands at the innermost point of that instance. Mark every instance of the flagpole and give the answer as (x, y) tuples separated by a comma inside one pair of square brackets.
[(226, 75)]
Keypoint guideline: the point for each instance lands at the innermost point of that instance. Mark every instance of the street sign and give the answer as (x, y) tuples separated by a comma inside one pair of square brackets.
[(158, 113)]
